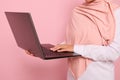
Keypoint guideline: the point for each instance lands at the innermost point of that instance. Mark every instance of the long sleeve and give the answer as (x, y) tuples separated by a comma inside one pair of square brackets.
[(103, 53)]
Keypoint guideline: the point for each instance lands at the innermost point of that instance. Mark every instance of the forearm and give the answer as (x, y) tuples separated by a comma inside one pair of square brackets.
[(98, 53)]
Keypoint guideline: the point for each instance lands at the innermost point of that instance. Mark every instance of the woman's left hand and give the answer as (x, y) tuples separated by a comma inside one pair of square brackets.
[(63, 48)]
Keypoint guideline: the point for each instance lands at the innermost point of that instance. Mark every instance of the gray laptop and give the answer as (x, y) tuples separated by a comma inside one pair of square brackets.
[(26, 37)]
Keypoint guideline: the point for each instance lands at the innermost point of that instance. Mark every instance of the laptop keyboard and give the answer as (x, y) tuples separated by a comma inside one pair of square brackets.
[(51, 53)]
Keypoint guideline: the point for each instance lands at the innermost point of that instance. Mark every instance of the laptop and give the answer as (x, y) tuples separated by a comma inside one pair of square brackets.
[(26, 37)]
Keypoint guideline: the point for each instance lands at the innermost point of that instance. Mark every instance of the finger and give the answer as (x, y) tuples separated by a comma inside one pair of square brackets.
[(28, 52), (62, 50), (57, 47), (32, 54)]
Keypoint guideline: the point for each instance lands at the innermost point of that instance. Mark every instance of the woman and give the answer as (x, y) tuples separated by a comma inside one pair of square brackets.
[(93, 33)]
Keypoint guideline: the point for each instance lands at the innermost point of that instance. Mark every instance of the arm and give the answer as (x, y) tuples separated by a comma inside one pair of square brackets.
[(99, 53), (103, 53)]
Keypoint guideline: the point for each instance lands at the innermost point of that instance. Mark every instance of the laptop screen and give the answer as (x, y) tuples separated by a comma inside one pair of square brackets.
[(24, 31)]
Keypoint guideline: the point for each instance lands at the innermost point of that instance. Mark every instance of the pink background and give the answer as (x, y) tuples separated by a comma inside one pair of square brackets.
[(50, 18)]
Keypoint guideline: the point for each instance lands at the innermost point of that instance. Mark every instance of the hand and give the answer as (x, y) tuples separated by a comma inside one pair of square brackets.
[(63, 48), (28, 52)]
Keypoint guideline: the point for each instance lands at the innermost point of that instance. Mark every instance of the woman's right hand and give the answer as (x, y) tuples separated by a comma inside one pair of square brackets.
[(29, 53)]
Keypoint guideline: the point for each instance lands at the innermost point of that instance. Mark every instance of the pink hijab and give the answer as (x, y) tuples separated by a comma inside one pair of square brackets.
[(91, 23)]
